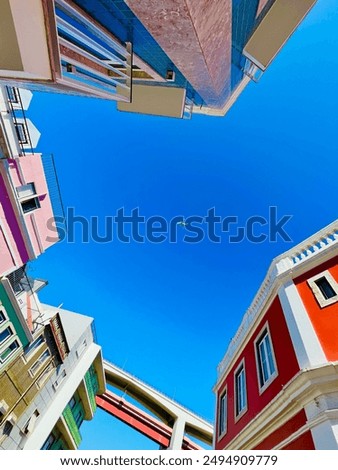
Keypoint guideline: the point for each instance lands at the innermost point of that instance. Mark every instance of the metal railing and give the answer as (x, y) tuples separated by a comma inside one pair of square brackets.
[(54, 194), (91, 57)]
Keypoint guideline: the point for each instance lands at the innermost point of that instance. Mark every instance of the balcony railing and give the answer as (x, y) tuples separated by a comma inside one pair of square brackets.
[(90, 57), (55, 194)]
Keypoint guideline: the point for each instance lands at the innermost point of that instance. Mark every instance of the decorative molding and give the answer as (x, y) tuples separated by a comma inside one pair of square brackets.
[(280, 269)]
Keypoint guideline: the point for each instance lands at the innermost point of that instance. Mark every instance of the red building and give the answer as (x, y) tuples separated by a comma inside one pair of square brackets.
[(277, 385)]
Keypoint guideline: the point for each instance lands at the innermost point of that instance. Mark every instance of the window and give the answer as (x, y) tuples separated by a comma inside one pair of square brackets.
[(324, 288), (26, 190), (45, 375), (49, 442), (81, 348), (12, 93), (43, 358), (30, 205), (60, 379), (223, 414), (4, 355), (240, 391), (34, 346), (72, 403), (21, 132), (265, 359), (78, 417), (5, 334), (2, 317)]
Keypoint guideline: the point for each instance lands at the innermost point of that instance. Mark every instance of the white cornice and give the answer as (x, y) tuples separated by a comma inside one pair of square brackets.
[(303, 389), (307, 254)]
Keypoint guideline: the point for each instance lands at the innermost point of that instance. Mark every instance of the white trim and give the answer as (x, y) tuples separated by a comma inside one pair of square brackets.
[(313, 251), (305, 341), (61, 399), (322, 301), (299, 392)]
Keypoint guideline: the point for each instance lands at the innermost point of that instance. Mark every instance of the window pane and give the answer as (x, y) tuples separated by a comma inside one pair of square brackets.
[(30, 205), (223, 414), (266, 364), (8, 351), (5, 334), (325, 288), (240, 391), (2, 317)]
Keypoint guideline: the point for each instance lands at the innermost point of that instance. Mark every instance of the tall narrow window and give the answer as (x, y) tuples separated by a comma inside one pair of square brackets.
[(265, 359), (240, 391), (223, 414)]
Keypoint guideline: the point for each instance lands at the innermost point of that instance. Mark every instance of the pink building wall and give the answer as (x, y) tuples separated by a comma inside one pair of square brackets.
[(30, 243)]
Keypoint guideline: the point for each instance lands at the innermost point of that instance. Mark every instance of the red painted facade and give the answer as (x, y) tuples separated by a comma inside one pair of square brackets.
[(324, 319), (291, 426), (287, 367)]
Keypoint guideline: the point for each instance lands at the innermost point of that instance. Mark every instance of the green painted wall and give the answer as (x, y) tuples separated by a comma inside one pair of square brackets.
[(4, 300)]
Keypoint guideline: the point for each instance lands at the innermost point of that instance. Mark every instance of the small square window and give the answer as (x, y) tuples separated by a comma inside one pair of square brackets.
[(240, 391), (30, 205), (324, 288), (26, 190)]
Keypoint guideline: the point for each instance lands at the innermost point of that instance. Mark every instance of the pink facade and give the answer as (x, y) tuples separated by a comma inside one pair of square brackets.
[(25, 209)]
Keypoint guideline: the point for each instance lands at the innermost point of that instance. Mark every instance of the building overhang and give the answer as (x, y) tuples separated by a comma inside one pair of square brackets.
[(25, 45), (277, 25), (155, 100)]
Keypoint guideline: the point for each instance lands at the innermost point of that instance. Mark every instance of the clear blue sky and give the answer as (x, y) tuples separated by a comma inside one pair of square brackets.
[(166, 312)]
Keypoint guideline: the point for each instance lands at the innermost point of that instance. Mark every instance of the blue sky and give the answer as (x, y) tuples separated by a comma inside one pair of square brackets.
[(166, 312)]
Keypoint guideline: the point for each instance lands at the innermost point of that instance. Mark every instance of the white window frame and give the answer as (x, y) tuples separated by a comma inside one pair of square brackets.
[(223, 416), (237, 373), (14, 340), (4, 315), (322, 301), (265, 331)]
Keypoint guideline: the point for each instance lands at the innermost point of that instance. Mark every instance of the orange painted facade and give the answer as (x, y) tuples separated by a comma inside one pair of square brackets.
[(323, 319)]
